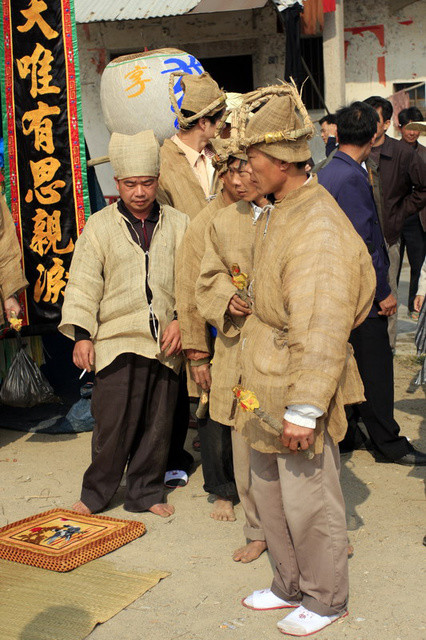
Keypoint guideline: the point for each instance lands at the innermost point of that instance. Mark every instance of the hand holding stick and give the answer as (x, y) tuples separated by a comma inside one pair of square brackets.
[(249, 402)]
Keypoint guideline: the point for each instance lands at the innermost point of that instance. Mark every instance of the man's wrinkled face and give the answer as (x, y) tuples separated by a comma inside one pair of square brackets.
[(138, 193), (327, 130), (232, 181), (266, 172), (247, 190), (409, 136)]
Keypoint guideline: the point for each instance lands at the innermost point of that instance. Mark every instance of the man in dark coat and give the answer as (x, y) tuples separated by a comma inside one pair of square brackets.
[(347, 181)]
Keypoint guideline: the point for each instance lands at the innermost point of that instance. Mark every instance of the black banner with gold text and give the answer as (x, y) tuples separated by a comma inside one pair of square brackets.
[(45, 172)]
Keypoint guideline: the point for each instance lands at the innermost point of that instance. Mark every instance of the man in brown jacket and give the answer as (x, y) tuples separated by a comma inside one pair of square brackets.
[(12, 280), (403, 184), (313, 282), (413, 236)]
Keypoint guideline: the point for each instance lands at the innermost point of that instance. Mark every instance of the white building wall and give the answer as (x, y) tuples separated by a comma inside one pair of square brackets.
[(209, 35), (381, 48)]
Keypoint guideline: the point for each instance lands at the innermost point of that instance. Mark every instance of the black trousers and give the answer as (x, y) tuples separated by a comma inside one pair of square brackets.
[(216, 459), (133, 403), (179, 458), (375, 363), (413, 238)]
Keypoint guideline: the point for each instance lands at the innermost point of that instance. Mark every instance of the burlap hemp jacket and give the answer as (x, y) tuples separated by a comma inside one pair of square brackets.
[(229, 240), (12, 279), (106, 292), (313, 283), (193, 327), (179, 186)]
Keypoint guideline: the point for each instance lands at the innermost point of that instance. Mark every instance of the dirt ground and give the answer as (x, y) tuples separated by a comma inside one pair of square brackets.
[(201, 598)]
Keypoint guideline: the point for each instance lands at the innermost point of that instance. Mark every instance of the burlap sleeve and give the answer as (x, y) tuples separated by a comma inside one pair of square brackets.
[(214, 288), (322, 291), (12, 279), (85, 286), (193, 327)]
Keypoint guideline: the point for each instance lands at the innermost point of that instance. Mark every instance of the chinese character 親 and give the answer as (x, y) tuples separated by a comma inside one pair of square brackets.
[(47, 233)]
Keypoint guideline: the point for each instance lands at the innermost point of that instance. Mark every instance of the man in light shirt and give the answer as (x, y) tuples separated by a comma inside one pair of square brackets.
[(187, 177)]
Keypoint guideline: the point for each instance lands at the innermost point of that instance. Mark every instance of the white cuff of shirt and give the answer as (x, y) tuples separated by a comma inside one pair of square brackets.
[(304, 415)]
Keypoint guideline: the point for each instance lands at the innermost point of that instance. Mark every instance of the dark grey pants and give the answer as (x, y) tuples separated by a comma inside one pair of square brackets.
[(133, 405)]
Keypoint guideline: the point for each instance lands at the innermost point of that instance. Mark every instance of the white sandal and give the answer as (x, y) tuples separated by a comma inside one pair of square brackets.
[(265, 600), (302, 622)]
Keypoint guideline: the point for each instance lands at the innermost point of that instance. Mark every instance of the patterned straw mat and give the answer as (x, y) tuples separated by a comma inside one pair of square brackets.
[(62, 540), (43, 605)]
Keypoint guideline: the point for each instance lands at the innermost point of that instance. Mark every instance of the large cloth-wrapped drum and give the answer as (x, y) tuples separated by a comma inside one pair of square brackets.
[(135, 91)]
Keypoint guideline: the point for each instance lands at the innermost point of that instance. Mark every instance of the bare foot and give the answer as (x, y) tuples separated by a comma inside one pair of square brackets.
[(250, 552), (223, 510), (81, 508), (163, 510)]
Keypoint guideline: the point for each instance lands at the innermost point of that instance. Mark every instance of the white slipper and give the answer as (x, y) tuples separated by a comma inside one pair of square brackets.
[(176, 478), (302, 622), (265, 600)]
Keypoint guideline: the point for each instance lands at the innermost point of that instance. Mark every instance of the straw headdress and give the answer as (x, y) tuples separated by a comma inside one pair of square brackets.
[(137, 155), (202, 97), (281, 127), (225, 148)]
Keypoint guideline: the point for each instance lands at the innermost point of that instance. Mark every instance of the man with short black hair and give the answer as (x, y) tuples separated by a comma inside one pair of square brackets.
[(347, 181), (413, 236), (403, 183), (328, 132)]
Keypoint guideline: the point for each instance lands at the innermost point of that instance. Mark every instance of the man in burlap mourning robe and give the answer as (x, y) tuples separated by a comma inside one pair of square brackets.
[(226, 264), (119, 306), (313, 281), (217, 456), (12, 279), (188, 182), (187, 177)]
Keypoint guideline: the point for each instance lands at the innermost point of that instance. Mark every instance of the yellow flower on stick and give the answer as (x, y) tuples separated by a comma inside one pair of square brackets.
[(239, 278), (246, 399), (249, 402)]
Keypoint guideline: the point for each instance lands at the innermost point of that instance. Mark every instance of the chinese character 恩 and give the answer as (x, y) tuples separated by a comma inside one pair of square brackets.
[(43, 172), (39, 65)]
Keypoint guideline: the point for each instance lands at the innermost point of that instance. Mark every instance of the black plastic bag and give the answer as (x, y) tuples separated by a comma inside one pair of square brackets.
[(24, 384)]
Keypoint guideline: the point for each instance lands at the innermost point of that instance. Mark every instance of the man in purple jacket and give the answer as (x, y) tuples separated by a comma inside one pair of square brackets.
[(348, 182)]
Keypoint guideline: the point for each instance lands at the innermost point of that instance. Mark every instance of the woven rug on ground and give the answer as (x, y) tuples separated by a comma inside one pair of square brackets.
[(44, 605), (61, 540)]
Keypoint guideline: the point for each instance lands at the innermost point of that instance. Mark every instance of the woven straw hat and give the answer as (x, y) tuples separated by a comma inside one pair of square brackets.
[(223, 149), (137, 155), (202, 97), (281, 127)]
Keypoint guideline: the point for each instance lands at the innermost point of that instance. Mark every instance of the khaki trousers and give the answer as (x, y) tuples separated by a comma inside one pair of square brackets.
[(394, 259), (302, 511), (253, 529)]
